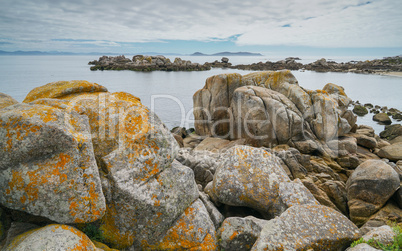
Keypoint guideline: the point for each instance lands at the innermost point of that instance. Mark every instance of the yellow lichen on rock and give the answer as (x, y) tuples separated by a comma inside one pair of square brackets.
[(63, 88), (6, 100)]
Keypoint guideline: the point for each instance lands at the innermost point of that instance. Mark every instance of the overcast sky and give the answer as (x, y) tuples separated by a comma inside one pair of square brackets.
[(208, 26)]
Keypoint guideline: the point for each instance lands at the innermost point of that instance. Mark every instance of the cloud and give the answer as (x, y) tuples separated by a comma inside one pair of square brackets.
[(323, 23)]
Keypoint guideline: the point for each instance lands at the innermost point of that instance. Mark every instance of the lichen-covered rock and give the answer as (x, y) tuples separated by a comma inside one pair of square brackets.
[(52, 237), (362, 247), (45, 168), (238, 233), (271, 118), (6, 100), (211, 104), (391, 132), (60, 89), (360, 110), (253, 177), (271, 112), (304, 227), (193, 230), (383, 235), (368, 189), (140, 213)]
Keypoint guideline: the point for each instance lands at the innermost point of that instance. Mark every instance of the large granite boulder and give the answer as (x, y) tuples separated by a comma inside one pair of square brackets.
[(368, 189), (266, 117), (253, 177), (42, 165), (270, 108), (6, 100), (211, 104), (304, 227), (52, 237), (140, 213)]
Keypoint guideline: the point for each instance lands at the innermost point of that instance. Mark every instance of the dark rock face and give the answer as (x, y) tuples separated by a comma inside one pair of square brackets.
[(360, 110), (146, 63)]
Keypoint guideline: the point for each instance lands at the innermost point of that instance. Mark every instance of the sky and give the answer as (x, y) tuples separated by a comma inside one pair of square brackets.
[(297, 27)]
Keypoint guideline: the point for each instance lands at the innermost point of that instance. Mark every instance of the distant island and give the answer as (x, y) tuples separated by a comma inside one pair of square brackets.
[(227, 53)]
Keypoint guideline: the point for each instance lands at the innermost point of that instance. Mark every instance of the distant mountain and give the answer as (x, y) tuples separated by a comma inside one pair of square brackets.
[(48, 53), (226, 53)]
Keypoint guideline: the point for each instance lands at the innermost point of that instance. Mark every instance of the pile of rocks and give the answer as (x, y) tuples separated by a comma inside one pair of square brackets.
[(145, 63), (391, 64), (381, 113), (82, 168)]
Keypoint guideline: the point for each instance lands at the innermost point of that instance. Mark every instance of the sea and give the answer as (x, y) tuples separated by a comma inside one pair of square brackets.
[(170, 94)]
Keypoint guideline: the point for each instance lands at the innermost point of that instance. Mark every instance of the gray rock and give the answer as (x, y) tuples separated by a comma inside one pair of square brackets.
[(369, 188), (303, 227), (216, 216), (366, 141), (391, 132), (52, 237), (382, 118), (6, 100), (392, 152), (192, 230), (143, 212), (43, 162), (362, 247), (383, 235), (238, 233), (253, 177)]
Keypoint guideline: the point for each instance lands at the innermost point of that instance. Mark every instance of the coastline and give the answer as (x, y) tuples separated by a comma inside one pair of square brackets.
[(391, 73)]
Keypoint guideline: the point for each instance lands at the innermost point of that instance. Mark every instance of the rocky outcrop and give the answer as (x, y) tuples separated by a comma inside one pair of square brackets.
[(369, 188), (304, 227), (270, 108), (75, 153), (6, 100), (146, 63), (254, 178)]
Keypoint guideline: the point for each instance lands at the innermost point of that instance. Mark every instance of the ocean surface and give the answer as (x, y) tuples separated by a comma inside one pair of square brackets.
[(170, 94)]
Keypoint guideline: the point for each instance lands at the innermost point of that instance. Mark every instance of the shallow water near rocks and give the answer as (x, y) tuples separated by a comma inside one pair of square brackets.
[(170, 94)]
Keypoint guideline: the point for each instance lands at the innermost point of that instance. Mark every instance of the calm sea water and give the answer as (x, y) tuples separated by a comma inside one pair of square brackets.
[(169, 94)]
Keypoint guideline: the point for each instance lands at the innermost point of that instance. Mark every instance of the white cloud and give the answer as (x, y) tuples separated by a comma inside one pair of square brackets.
[(342, 23)]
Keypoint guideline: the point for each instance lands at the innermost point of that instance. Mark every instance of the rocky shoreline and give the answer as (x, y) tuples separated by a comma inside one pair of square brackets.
[(161, 63), (269, 166)]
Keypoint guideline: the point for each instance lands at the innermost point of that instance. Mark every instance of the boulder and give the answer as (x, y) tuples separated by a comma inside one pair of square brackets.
[(193, 230), (383, 118), (270, 108), (238, 233), (271, 118), (215, 215), (6, 100), (392, 152), (391, 132), (52, 237), (304, 227), (141, 213), (366, 141), (203, 163), (368, 189), (383, 235), (360, 110), (253, 177), (211, 105), (43, 162), (362, 247)]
